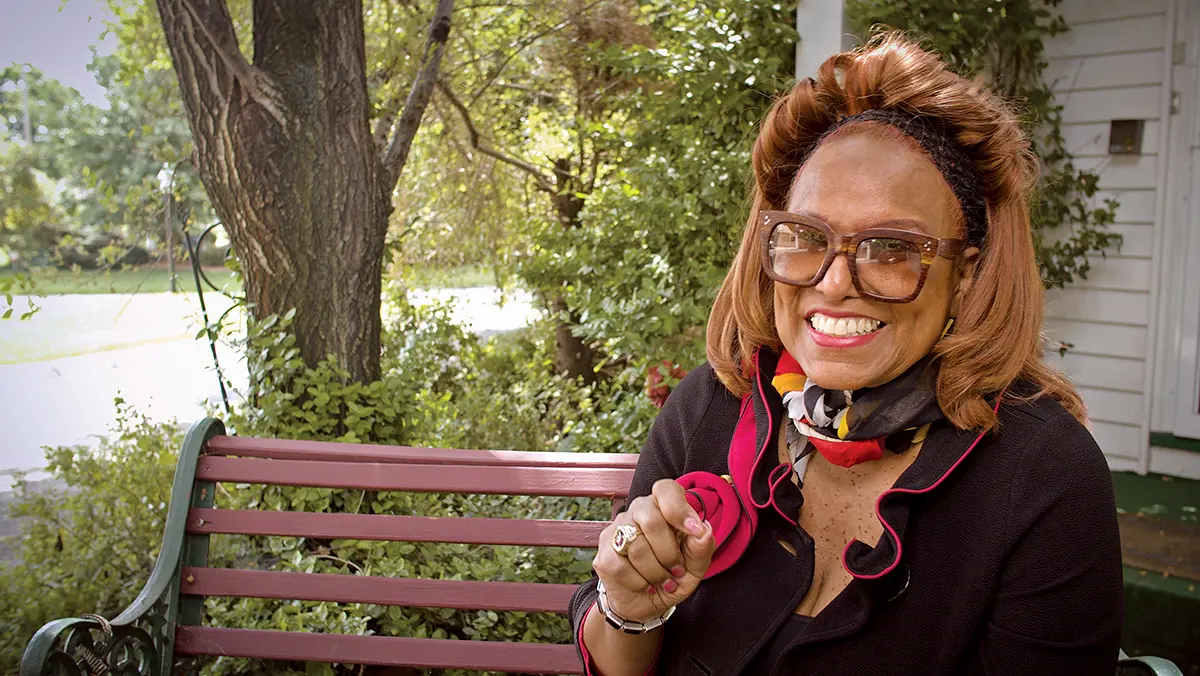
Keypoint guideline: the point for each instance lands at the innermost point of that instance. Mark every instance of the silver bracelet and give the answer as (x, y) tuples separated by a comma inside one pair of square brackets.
[(628, 626)]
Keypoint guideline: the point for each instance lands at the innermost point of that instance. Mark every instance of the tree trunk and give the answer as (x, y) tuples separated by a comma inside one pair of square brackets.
[(286, 154), (572, 355), (298, 187)]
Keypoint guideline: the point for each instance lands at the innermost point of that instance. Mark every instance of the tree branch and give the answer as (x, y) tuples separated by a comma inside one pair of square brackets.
[(593, 169), (214, 22), (388, 109), (526, 42), (419, 95), (543, 181)]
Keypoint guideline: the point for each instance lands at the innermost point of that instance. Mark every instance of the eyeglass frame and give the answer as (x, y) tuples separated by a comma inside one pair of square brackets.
[(929, 247)]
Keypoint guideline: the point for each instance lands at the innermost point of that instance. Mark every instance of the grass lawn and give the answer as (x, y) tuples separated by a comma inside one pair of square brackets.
[(85, 312), (69, 325), (53, 282), (461, 277)]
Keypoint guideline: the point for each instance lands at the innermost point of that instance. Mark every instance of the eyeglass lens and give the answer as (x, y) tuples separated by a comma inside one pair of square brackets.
[(886, 266)]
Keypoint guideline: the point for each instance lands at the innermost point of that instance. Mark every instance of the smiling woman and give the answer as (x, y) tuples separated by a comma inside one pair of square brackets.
[(875, 472), (861, 179)]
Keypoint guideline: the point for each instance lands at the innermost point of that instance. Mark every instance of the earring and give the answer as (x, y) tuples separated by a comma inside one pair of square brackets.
[(949, 323)]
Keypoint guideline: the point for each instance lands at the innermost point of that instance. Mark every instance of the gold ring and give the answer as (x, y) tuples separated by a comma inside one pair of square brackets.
[(623, 537)]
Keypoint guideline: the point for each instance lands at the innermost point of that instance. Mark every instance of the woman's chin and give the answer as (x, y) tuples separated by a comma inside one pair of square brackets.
[(839, 380), (838, 370)]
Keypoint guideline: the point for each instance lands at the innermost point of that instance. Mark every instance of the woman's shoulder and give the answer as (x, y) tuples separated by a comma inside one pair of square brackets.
[(1048, 443), (694, 424), (1054, 478), (697, 391)]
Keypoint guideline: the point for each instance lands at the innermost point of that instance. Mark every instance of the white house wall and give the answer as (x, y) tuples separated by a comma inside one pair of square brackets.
[(1111, 66)]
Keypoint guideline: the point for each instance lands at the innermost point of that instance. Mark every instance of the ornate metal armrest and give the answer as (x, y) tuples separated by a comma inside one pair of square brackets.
[(81, 646)]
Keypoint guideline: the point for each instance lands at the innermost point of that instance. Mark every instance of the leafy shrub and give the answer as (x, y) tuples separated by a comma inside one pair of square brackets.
[(89, 545)]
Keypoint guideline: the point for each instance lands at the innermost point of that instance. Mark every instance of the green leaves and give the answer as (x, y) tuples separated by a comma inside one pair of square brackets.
[(89, 538)]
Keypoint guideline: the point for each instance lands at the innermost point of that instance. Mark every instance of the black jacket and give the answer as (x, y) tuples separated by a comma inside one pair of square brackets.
[(1011, 565)]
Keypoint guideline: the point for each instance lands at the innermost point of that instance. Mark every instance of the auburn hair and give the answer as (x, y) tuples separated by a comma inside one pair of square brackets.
[(997, 337)]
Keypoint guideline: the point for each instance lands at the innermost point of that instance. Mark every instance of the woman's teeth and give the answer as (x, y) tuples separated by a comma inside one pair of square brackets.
[(844, 326)]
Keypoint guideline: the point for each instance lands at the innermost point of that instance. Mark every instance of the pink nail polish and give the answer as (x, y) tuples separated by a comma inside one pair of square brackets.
[(651, 590), (693, 526), (670, 586), (678, 571)]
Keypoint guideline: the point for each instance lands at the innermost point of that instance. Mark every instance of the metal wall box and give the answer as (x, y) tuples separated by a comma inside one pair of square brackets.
[(1125, 137)]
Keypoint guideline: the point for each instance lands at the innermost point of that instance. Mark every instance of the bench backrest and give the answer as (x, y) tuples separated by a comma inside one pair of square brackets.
[(381, 468)]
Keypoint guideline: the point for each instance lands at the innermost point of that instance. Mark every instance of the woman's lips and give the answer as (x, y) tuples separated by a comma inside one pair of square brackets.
[(826, 340)]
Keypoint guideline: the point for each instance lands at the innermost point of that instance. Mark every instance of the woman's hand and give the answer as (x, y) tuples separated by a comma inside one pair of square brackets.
[(664, 564)]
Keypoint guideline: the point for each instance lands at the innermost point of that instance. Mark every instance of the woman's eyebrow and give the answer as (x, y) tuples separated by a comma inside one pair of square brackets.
[(904, 224), (895, 223)]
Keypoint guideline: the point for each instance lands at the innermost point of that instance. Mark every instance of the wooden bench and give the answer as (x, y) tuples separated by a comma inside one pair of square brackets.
[(166, 621)]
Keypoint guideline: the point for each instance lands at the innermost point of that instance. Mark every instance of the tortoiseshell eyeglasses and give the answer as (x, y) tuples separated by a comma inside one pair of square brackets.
[(886, 264)]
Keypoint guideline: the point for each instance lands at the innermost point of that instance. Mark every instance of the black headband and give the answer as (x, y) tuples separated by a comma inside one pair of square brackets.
[(950, 159)]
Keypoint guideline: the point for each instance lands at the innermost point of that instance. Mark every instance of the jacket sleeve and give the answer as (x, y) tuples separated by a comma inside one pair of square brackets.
[(1059, 605), (662, 457)]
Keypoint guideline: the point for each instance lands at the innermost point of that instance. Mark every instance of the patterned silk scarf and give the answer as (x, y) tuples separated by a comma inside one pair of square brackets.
[(852, 427)]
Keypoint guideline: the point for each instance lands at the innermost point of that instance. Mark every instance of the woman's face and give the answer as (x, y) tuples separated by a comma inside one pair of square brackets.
[(855, 181)]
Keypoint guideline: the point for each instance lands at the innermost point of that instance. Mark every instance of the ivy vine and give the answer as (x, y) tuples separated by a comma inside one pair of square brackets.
[(1004, 41)]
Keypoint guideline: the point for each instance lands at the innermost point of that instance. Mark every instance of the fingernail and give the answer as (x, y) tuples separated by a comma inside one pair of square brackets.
[(693, 526), (670, 586), (678, 571), (651, 590)]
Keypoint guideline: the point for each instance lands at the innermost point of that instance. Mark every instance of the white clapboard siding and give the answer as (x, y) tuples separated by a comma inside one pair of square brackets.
[(1109, 66), (1116, 103), (1118, 440), (1111, 406), (1130, 308), (1173, 461), (1078, 12), (1133, 206), (1117, 274), (1137, 240), (1096, 38), (1116, 464), (1128, 69), (1113, 373), (1123, 172), (1090, 139), (1099, 339)]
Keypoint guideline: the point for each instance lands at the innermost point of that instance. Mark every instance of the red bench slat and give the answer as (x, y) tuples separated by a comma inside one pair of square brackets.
[(471, 531), (286, 449), (550, 481), (422, 653), (387, 591)]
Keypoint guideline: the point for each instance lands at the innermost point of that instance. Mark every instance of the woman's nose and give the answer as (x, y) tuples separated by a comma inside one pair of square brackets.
[(837, 282)]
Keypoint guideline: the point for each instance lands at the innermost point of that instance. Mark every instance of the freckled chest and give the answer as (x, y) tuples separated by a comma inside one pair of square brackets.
[(839, 506)]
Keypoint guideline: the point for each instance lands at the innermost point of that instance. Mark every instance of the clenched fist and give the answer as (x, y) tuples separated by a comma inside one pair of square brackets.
[(664, 564)]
